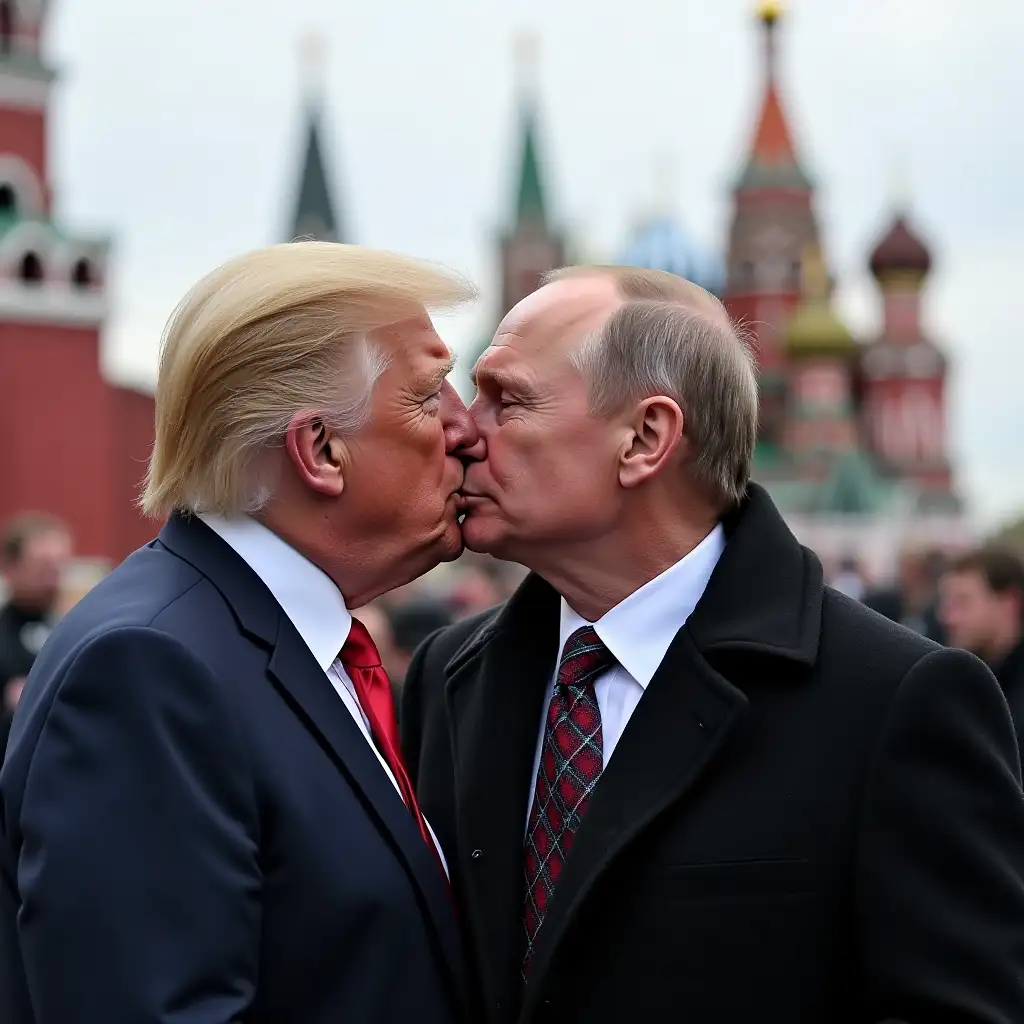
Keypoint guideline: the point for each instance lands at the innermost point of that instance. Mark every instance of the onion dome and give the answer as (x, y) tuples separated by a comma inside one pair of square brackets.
[(900, 251), (815, 329), (661, 243)]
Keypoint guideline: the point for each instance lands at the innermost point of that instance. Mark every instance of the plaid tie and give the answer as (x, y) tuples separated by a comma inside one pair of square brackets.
[(570, 765)]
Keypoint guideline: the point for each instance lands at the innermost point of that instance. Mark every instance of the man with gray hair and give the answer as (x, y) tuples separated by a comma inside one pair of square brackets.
[(204, 813), (677, 776)]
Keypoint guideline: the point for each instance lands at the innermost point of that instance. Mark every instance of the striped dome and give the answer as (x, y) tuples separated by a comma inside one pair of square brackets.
[(660, 243)]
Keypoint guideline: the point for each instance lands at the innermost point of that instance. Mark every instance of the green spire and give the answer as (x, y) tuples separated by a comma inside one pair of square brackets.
[(530, 204), (314, 211)]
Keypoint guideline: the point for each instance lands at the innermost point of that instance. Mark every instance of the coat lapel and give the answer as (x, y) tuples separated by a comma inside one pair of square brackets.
[(495, 692), (312, 697), (674, 736)]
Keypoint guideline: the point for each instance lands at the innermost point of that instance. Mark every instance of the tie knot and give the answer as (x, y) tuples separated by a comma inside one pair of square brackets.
[(360, 651), (584, 657)]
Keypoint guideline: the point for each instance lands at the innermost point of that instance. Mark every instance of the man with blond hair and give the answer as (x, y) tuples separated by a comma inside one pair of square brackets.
[(676, 776), (204, 815)]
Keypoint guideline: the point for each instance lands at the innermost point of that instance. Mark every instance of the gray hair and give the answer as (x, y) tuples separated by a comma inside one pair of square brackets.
[(675, 339)]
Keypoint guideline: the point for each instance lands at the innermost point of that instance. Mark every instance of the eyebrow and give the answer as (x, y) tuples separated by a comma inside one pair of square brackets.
[(505, 380), (438, 375)]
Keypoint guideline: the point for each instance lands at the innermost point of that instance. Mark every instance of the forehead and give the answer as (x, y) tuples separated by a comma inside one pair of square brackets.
[(967, 580), (550, 322), (413, 342)]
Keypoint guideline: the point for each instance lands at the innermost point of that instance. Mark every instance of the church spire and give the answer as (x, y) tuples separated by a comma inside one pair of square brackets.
[(530, 205), (315, 214), (772, 162)]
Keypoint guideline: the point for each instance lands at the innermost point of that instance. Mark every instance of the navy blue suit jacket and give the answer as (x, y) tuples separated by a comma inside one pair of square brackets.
[(193, 829)]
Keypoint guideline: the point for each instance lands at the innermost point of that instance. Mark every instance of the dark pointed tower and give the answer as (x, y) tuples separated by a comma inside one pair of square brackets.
[(773, 224), (903, 372), (531, 246), (315, 214)]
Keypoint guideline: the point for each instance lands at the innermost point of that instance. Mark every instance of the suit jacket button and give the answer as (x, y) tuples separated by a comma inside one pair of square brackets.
[(476, 854)]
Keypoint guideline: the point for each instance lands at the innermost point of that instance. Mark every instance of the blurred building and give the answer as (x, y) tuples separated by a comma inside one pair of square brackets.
[(75, 444), (853, 443)]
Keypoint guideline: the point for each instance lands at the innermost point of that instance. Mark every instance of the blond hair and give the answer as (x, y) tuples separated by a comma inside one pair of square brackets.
[(674, 338), (265, 336)]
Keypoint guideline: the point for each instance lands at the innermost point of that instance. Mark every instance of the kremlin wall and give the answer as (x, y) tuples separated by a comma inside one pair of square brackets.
[(852, 444)]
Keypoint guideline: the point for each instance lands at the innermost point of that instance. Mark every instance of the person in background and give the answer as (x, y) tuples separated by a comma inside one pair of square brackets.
[(912, 600), (36, 549), (483, 582), (982, 608), (850, 580), (411, 624)]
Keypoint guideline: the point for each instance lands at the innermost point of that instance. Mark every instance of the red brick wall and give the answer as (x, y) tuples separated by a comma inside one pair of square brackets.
[(24, 134), (55, 421), (132, 443)]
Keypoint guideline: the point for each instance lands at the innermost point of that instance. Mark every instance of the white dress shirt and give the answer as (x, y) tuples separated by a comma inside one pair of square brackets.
[(313, 603), (638, 632)]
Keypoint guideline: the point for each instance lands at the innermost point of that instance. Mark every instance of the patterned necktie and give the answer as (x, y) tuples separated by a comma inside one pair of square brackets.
[(373, 688), (571, 761)]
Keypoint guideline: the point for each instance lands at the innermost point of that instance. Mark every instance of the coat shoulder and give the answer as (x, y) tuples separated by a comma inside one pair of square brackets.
[(440, 648)]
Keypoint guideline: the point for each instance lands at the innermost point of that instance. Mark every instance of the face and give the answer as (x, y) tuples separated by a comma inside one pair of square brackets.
[(35, 578), (975, 615), (404, 468), (392, 504), (550, 476)]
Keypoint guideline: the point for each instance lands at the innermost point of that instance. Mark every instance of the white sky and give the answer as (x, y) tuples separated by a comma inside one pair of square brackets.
[(176, 128)]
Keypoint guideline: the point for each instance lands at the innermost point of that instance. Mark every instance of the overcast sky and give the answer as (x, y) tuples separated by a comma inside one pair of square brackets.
[(177, 128)]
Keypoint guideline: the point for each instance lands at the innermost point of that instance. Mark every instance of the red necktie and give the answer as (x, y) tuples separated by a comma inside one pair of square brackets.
[(373, 688)]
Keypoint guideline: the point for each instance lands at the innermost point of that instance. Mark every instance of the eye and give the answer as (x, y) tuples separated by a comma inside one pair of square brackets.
[(433, 402), (507, 401)]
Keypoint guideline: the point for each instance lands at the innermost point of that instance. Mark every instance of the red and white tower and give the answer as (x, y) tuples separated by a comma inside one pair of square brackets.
[(903, 373), (73, 445), (773, 224)]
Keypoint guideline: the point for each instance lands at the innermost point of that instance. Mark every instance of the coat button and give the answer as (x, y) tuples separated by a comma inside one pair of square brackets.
[(476, 854)]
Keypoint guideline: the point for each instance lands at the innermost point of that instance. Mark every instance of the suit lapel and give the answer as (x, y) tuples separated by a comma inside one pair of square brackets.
[(312, 697), (496, 688), (310, 692), (673, 737)]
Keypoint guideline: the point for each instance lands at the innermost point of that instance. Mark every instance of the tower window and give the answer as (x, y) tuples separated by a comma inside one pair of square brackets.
[(82, 274), (31, 269), (8, 200)]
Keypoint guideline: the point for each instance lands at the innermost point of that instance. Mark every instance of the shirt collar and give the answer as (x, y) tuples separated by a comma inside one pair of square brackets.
[(639, 630), (307, 595)]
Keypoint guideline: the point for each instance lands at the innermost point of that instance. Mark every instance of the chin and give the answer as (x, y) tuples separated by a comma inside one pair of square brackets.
[(449, 544), (479, 535)]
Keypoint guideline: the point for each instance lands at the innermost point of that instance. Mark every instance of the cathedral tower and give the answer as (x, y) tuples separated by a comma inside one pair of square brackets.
[(773, 223), (903, 373), (532, 246), (315, 214)]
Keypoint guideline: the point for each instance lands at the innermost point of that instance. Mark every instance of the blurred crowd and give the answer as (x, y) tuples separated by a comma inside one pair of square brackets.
[(973, 601)]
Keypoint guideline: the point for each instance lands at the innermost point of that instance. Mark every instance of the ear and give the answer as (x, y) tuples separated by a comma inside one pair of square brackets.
[(317, 453), (655, 434)]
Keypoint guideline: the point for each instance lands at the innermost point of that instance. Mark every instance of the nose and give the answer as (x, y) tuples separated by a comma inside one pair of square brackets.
[(461, 436)]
